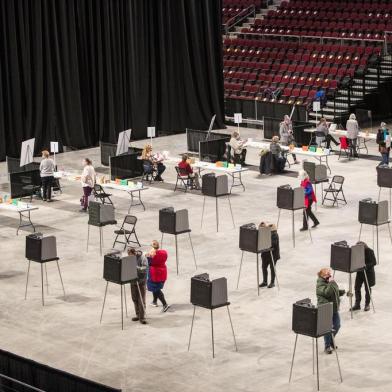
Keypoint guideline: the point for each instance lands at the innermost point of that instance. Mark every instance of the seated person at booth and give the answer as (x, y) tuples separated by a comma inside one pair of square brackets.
[(279, 160), (237, 145), (151, 161), (187, 171)]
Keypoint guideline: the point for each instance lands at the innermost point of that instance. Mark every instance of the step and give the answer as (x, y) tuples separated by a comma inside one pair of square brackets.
[(318, 115)]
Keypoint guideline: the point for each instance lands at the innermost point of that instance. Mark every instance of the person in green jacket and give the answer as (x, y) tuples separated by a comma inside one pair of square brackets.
[(327, 291)]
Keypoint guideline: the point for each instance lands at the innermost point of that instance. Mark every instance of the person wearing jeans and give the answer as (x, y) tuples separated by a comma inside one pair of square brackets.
[(327, 291), (88, 181), (310, 198), (47, 169), (157, 274)]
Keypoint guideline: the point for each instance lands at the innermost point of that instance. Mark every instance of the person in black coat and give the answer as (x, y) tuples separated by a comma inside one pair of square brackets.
[(266, 256), (360, 279)]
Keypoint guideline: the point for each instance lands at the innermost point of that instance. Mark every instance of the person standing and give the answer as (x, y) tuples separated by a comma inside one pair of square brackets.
[(138, 288), (287, 134), (360, 279), (239, 151), (47, 169), (352, 128), (327, 291), (88, 181), (266, 256), (310, 198), (157, 274), (383, 139)]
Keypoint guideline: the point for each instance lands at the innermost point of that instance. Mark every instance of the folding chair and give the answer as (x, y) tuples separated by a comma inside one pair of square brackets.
[(127, 229), (334, 189), (149, 171), (184, 179), (344, 146), (101, 195)]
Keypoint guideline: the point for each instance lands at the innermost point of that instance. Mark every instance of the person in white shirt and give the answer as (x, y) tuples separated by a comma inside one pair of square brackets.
[(352, 128), (88, 181), (237, 145), (47, 169)]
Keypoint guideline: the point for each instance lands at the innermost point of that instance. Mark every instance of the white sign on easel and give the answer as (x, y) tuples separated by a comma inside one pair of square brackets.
[(27, 152), (316, 108), (123, 141), (54, 147), (151, 133), (238, 120)]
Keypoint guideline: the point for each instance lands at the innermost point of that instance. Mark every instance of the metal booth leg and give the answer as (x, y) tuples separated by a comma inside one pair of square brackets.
[(202, 213), (193, 252), (27, 279), (161, 240), (88, 235), (141, 299), (42, 286), (360, 232), (292, 360), (379, 193), (277, 223), (378, 247), (293, 227), (337, 358), (125, 301), (61, 278), (390, 234), (212, 334), (217, 214), (258, 274), (100, 241), (313, 356), (193, 319), (274, 268), (350, 292), (232, 329), (231, 211), (239, 271), (370, 292), (46, 278), (104, 300), (122, 310), (317, 366)]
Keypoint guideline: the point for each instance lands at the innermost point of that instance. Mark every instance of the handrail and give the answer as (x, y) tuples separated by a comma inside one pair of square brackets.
[(21, 383), (249, 11)]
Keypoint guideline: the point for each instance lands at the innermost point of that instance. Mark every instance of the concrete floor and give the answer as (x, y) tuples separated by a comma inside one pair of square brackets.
[(66, 333)]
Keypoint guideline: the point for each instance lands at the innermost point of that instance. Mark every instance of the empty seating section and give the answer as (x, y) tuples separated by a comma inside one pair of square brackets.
[(238, 8), (255, 67), (334, 39), (333, 18)]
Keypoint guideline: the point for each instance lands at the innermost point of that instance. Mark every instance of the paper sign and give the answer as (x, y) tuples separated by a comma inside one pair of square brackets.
[(316, 106), (54, 147), (150, 131), (237, 118)]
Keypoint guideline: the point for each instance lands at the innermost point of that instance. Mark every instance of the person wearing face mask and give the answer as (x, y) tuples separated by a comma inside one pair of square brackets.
[(327, 291), (383, 140), (287, 134), (88, 179)]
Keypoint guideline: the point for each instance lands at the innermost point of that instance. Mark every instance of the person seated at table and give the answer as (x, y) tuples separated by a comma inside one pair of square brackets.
[(383, 140), (286, 134), (237, 145), (278, 159), (151, 161), (187, 171), (322, 133)]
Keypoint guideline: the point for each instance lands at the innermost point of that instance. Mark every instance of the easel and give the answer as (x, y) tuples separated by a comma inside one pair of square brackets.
[(124, 138), (27, 152)]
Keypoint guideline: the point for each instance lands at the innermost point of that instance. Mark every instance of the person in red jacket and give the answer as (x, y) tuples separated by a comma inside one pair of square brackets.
[(310, 198), (187, 171), (157, 274)]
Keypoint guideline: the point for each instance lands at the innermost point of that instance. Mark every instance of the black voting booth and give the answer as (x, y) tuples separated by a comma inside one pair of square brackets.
[(99, 215), (42, 249), (384, 180), (209, 294), (128, 165), (215, 186), (292, 199), (374, 214), (349, 259), (107, 150), (25, 183), (315, 322), (317, 174), (175, 223), (256, 240), (120, 270)]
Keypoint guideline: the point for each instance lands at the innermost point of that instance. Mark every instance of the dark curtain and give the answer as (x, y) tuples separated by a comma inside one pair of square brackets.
[(80, 71)]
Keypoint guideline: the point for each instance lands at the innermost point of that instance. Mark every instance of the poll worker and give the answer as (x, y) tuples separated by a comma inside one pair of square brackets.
[(157, 274), (322, 132), (88, 180), (287, 134), (238, 146), (47, 169), (352, 128), (151, 160), (360, 279), (278, 158), (187, 170), (310, 198), (266, 256), (138, 294), (327, 291), (383, 139)]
